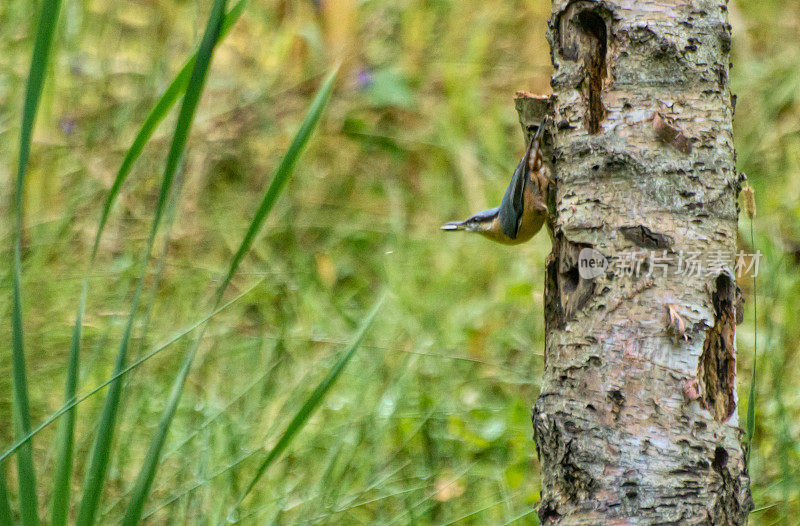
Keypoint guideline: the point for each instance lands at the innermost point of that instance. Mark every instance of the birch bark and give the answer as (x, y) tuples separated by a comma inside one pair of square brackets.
[(636, 421)]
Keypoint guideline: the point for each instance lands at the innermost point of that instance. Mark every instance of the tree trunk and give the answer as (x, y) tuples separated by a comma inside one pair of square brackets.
[(636, 421)]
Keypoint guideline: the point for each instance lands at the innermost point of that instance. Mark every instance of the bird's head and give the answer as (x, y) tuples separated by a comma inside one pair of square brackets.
[(480, 222), (484, 223)]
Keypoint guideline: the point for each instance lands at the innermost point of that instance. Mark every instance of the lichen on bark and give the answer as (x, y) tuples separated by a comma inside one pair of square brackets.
[(636, 420)]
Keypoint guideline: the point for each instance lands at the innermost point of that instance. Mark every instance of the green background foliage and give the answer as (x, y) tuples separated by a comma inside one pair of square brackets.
[(430, 422)]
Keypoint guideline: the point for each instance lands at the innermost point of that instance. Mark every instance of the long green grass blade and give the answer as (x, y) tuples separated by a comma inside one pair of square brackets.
[(313, 401), (78, 400), (147, 474), (65, 437), (48, 16), (751, 406), (282, 174), (259, 381), (751, 398), (100, 456), (154, 118)]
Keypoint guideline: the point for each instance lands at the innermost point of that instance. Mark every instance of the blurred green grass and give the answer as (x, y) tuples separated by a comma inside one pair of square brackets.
[(431, 421)]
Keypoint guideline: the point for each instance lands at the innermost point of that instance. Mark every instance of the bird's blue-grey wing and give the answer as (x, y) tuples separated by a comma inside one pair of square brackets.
[(512, 205)]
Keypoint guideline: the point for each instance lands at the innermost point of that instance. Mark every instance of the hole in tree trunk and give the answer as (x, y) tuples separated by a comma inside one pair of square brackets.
[(584, 38), (594, 61), (720, 458), (570, 281), (573, 290)]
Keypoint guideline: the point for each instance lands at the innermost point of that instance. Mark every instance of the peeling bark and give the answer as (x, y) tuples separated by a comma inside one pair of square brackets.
[(636, 421)]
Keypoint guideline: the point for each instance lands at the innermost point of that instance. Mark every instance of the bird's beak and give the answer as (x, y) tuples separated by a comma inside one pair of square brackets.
[(454, 225)]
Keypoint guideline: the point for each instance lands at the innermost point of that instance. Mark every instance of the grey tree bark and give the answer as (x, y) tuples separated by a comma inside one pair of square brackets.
[(636, 421)]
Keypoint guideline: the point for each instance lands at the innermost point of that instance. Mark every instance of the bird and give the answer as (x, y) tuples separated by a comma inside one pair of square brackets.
[(523, 210)]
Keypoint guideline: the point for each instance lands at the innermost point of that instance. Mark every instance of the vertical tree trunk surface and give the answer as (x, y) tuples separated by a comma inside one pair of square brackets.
[(636, 422)]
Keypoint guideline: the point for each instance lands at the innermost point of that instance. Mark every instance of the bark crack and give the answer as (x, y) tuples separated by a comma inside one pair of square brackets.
[(585, 40), (646, 238), (717, 366)]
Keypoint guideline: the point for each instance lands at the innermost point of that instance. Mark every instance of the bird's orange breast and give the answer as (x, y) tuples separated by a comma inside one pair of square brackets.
[(533, 215)]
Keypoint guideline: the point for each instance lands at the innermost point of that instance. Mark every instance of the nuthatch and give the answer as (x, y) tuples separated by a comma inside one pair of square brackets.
[(523, 210)]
